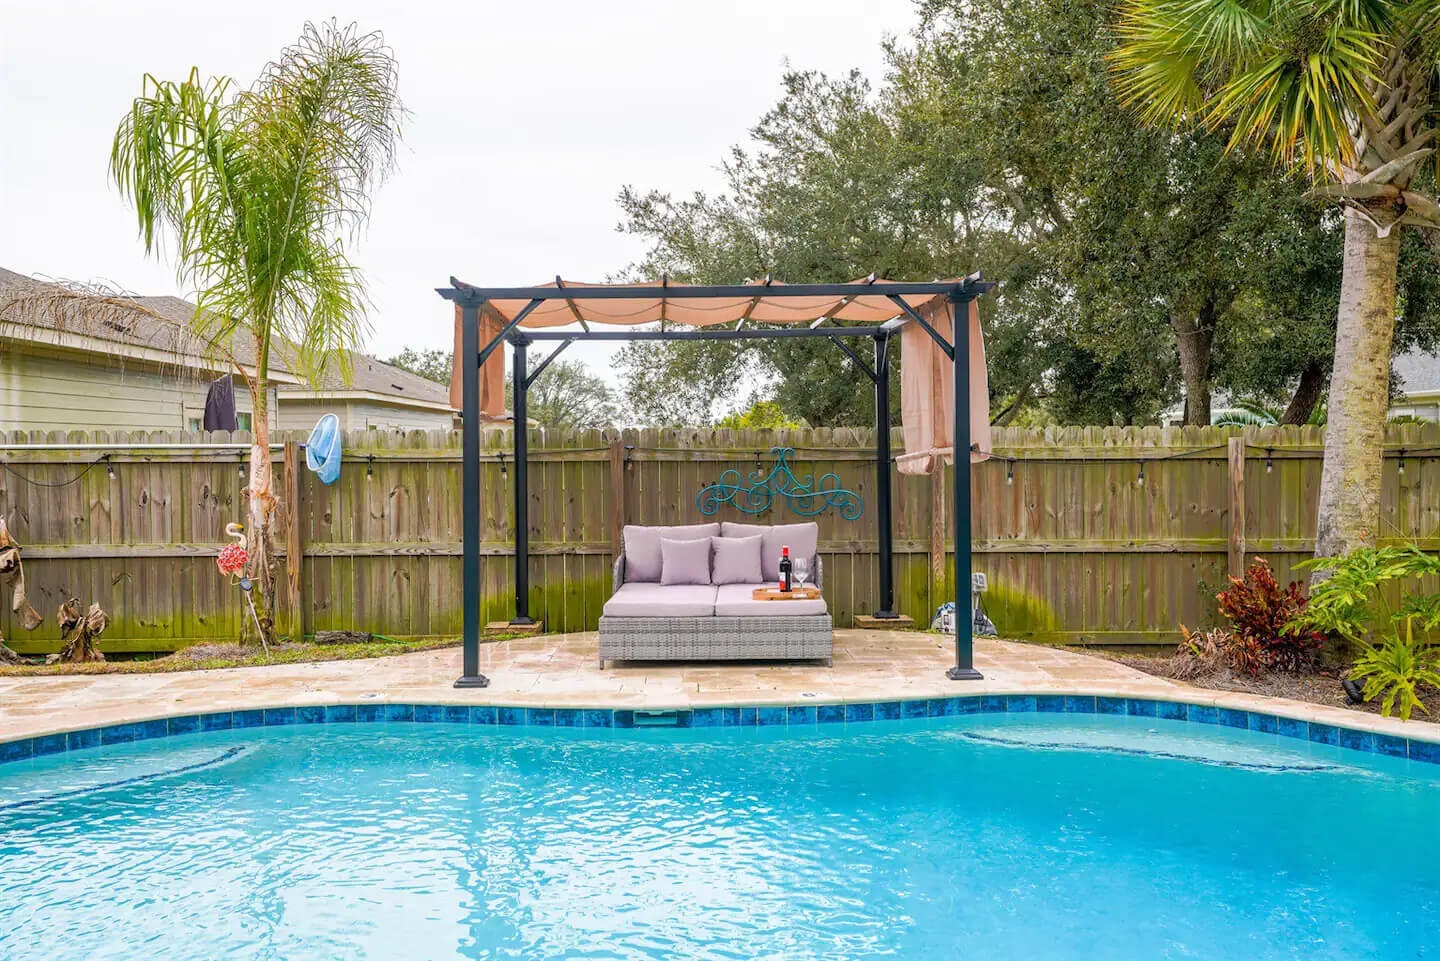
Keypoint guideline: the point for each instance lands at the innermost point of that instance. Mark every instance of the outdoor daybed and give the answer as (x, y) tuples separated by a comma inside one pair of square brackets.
[(685, 594)]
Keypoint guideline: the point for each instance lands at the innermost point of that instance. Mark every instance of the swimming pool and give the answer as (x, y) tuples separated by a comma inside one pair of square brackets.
[(984, 836)]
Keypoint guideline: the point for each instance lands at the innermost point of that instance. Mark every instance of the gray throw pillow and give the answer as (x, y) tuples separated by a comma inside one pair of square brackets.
[(684, 562), (802, 539), (736, 560), (642, 546)]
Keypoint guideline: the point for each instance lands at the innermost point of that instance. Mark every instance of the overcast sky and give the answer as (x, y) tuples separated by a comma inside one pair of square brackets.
[(527, 119)]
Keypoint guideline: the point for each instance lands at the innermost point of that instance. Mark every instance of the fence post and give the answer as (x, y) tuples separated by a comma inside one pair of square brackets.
[(1236, 461), (937, 540), (617, 494), (294, 554)]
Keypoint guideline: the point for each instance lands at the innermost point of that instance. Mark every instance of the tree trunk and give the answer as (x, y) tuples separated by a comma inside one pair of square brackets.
[(1194, 337), (1022, 397), (1349, 514), (260, 566), (1307, 394)]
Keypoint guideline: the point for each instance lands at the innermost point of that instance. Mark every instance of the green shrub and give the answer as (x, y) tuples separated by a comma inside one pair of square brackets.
[(1397, 650), (1395, 668)]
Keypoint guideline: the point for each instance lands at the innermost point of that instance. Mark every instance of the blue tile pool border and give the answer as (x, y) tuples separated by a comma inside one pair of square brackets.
[(828, 716)]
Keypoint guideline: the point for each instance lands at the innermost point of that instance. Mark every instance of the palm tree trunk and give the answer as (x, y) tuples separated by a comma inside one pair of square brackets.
[(260, 562), (1349, 515)]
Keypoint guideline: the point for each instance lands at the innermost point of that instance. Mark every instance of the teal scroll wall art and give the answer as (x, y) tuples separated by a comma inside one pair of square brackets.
[(755, 494)]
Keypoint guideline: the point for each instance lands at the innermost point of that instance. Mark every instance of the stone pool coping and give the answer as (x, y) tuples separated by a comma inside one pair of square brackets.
[(553, 680), (814, 716)]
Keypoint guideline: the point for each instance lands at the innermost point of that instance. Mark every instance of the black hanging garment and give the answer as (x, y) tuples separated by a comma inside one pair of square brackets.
[(220, 405)]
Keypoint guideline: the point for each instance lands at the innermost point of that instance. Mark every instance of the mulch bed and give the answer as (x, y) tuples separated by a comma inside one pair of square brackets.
[(1320, 685)]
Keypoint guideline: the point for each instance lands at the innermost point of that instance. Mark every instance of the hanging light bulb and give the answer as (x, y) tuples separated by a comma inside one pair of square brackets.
[(503, 472), (109, 467), (370, 467), (1269, 463), (240, 467), (1010, 471), (1402, 461), (1140, 478)]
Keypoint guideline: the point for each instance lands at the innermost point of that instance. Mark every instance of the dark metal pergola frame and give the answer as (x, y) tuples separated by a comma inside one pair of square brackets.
[(471, 299)]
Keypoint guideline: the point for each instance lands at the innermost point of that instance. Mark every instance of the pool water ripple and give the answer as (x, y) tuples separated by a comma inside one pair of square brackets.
[(1036, 837), (1197, 757)]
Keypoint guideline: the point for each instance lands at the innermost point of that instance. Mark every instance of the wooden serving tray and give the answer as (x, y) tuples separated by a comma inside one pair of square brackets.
[(775, 594)]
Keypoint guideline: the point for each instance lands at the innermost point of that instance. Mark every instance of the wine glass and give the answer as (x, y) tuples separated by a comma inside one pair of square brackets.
[(800, 567)]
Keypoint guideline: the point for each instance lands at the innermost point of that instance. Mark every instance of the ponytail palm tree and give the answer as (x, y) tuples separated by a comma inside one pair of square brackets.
[(252, 191), (1349, 90)]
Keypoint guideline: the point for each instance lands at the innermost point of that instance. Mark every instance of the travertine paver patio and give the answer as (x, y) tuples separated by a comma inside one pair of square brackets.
[(560, 671)]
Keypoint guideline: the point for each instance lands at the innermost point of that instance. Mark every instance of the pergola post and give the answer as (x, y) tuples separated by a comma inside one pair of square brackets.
[(521, 434), (470, 675), (964, 669), (884, 525)]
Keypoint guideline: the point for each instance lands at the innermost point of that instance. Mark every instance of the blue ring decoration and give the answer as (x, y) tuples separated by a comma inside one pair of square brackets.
[(795, 715), (756, 494)]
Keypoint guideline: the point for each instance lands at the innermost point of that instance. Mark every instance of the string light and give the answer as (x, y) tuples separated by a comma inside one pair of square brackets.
[(370, 467), (1269, 463), (1402, 460), (1010, 471), (240, 467), (503, 472), (1140, 478), (109, 467)]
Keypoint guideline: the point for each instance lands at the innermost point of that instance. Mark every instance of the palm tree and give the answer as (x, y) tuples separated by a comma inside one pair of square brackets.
[(253, 190), (1349, 90)]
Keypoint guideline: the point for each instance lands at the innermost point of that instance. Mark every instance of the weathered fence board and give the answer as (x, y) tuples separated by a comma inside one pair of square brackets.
[(1079, 547)]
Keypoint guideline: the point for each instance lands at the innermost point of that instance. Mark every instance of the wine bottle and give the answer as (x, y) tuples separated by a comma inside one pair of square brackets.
[(785, 569)]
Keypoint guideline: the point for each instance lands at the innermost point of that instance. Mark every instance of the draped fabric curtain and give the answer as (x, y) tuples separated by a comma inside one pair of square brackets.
[(927, 394), (492, 375)]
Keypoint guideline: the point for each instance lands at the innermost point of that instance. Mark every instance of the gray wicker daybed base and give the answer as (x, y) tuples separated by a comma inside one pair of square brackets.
[(716, 638)]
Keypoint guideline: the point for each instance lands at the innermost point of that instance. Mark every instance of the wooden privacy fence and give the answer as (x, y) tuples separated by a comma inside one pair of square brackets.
[(1078, 545)]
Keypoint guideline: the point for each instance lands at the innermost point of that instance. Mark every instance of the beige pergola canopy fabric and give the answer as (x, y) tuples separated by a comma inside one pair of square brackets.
[(869, 304), (708, 311)]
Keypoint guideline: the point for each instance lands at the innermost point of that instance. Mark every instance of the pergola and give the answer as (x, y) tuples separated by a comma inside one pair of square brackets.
[(871, 308)]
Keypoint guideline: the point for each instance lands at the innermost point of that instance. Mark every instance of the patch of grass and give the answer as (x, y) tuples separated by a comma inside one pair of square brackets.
[(214, 657)]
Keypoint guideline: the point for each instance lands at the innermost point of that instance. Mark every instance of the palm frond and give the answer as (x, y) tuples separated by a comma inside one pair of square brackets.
[(1294, 74), (252, 189)]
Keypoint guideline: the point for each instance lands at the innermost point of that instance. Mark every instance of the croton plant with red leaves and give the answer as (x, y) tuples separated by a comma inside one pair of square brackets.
[(1259, 609)]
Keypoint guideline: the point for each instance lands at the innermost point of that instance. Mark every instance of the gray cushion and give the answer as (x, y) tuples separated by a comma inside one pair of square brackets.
[(736, 600), (801, 538), (684, 562), (657, 600), (736, 560), (642, 547)]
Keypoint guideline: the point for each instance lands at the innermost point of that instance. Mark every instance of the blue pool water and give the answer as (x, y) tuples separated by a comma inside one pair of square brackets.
[(995, 837)]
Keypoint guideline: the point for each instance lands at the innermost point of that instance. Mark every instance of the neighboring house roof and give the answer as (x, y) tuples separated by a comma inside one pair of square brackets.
[(374, 378), (1417, 374), (134, 329), (167, 341)]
